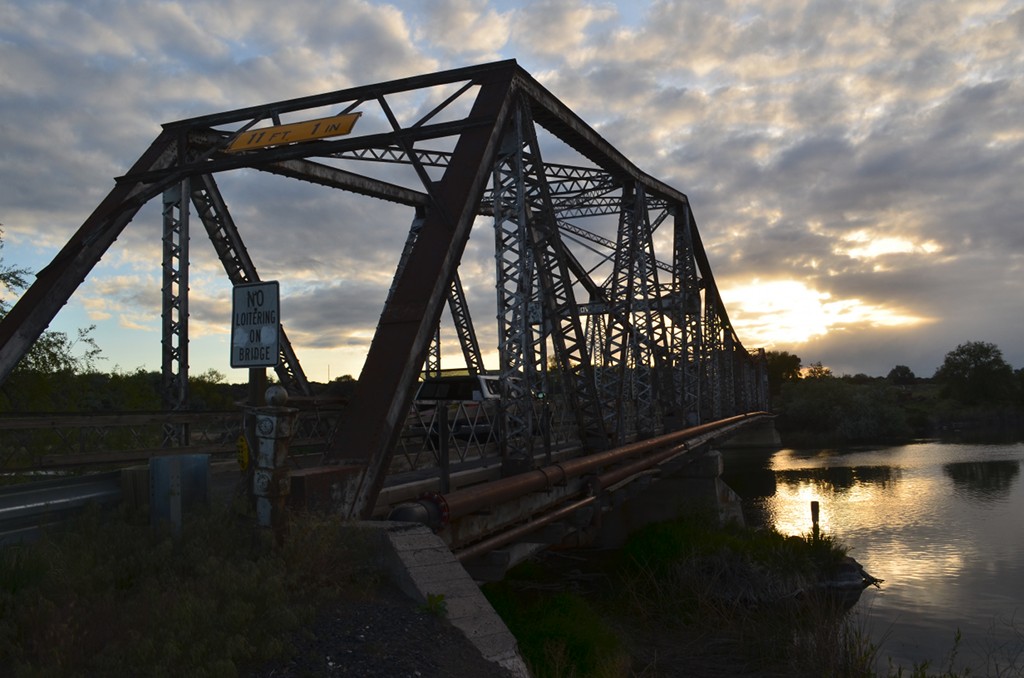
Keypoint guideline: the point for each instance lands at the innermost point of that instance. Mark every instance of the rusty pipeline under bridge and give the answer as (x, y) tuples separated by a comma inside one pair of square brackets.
[(565, 499)]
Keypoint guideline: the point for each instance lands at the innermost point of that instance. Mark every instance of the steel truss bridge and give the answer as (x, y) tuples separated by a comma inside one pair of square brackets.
[(610, 328)]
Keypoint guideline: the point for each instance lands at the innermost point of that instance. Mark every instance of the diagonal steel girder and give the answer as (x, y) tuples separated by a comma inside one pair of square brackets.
[(233, 254), (371, 424), (457, 306)]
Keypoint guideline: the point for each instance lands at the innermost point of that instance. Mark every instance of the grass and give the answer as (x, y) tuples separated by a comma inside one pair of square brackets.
[(104, 597), (560, 634), (687, 596)]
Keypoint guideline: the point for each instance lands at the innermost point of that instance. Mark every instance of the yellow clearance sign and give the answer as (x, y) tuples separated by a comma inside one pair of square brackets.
[(320, 128)]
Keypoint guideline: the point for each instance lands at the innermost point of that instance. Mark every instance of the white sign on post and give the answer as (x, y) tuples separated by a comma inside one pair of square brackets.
[(255, 325)]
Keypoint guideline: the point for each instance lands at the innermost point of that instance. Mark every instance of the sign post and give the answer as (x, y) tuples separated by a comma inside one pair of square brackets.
[(255, 325), (255, 332)]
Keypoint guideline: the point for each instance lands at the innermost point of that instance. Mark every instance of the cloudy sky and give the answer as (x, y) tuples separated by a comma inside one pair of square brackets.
[(855, 168)]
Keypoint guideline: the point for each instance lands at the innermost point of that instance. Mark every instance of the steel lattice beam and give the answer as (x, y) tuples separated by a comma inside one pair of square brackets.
[(459, 308), (687, 335), (174, 316)]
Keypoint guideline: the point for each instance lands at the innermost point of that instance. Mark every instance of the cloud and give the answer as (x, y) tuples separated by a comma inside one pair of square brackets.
[(869, 151), (560, 28), (464, 29)]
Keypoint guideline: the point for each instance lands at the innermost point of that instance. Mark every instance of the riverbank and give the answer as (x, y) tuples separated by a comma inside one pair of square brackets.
[(686, 598)]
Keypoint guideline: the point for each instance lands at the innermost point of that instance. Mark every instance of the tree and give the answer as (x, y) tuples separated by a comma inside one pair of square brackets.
[(818, 371), (782, 366), (53, 351), (828, 411), (10, 277), (901, 375), (975, 372), (45, 378)]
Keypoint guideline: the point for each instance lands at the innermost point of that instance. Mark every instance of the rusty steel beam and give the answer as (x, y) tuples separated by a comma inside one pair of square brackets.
[(357, 94), (399, 347)]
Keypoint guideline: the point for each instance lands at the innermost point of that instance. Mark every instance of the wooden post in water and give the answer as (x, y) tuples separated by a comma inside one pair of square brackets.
[(814, 521)]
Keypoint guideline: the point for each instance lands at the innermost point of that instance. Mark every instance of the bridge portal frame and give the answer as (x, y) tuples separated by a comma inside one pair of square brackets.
[(669, 365)]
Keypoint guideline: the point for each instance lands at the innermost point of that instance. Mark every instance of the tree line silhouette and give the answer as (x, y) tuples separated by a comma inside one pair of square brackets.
[(973, 393)]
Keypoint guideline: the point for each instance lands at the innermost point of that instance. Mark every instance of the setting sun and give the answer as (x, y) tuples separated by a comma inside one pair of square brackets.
[(767, 313)]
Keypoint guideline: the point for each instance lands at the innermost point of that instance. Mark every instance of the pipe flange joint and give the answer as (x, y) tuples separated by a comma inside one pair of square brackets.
[(444, 513)]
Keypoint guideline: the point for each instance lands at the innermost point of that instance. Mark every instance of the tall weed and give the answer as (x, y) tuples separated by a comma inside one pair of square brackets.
[(115, 597)]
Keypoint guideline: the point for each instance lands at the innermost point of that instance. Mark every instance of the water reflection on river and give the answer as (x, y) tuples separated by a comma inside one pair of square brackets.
[(941, 523)]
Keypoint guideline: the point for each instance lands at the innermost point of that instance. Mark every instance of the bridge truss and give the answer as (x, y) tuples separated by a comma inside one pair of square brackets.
[(607, 309)]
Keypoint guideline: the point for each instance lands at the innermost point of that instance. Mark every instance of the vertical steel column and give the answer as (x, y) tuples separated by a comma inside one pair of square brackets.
[(540, 305), (651, 348), (432, 367), (597, 338), (516, 284), (711, 402), (174, 291), (636, 334), (688, 343), (618, 382)]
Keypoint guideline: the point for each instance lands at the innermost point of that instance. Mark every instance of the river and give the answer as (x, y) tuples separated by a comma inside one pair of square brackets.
[(941, 523)]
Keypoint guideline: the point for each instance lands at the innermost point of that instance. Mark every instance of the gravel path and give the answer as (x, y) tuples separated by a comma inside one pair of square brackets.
[(387, 637)]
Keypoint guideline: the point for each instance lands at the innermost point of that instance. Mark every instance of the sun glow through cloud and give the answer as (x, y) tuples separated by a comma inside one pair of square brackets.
[(769, 313), (862, 245)]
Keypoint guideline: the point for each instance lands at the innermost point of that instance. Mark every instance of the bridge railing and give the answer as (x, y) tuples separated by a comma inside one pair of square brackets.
[(46, 443), (470, 432), (35, 443)]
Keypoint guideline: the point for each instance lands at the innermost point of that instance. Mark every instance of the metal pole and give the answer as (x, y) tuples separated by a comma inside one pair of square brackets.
[(444, 436)]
